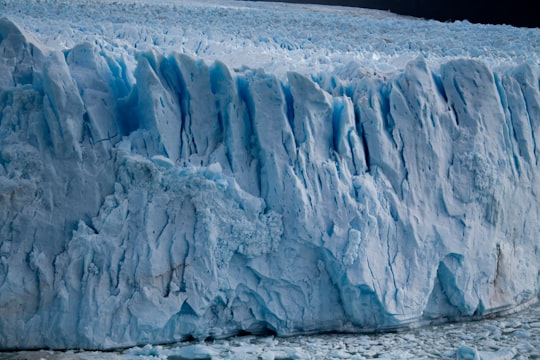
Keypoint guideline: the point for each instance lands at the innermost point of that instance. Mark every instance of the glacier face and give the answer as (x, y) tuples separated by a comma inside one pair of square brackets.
[(183, 198)]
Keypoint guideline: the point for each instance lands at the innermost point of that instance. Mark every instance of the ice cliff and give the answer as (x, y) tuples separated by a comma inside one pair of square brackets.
[(184, 198)]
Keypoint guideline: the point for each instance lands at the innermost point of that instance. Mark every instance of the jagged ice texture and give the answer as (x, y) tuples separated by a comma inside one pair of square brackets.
[(174, 197)]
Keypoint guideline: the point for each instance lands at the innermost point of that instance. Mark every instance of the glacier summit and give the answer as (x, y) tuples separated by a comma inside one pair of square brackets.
[(183, 198)]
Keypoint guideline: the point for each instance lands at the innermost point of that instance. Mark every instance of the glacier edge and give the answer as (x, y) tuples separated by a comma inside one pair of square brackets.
[(191, 199)]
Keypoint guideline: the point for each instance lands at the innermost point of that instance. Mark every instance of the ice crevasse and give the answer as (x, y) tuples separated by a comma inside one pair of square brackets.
[(187, 199)]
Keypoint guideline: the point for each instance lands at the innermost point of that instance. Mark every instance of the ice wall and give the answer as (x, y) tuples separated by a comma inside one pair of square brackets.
[(187, 199)]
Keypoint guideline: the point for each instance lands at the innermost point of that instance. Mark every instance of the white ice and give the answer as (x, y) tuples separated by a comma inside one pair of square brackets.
[(188, 169)]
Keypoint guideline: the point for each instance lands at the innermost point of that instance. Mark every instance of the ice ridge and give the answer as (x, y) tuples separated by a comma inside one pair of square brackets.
[(186, 199)]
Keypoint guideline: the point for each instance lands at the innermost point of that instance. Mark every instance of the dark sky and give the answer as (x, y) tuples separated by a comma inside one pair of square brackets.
[(521, 13)]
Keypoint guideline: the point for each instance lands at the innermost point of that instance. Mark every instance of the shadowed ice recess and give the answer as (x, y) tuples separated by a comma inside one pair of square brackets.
[(182, 198)]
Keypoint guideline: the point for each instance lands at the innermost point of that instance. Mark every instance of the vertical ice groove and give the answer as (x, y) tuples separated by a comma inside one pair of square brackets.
[(236, 125), (274, 139), (63, 107), (201, 126), (518, 122), (528, 82), (290, 104), (158, 108), (381, 145), (97, 92), (346, 140), (312, 125), (513, 153)]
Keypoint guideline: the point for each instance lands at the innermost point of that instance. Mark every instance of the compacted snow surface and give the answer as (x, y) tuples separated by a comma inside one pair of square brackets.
[(177, 169)]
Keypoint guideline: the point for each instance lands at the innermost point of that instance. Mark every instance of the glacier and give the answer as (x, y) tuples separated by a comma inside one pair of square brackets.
[(167, 197)]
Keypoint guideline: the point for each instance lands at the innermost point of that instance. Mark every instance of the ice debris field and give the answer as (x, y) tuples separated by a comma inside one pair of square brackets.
[(175, 169), (515, 336)]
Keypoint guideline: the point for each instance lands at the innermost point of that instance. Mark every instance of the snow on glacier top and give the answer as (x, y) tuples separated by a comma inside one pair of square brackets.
[(276, 37)]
